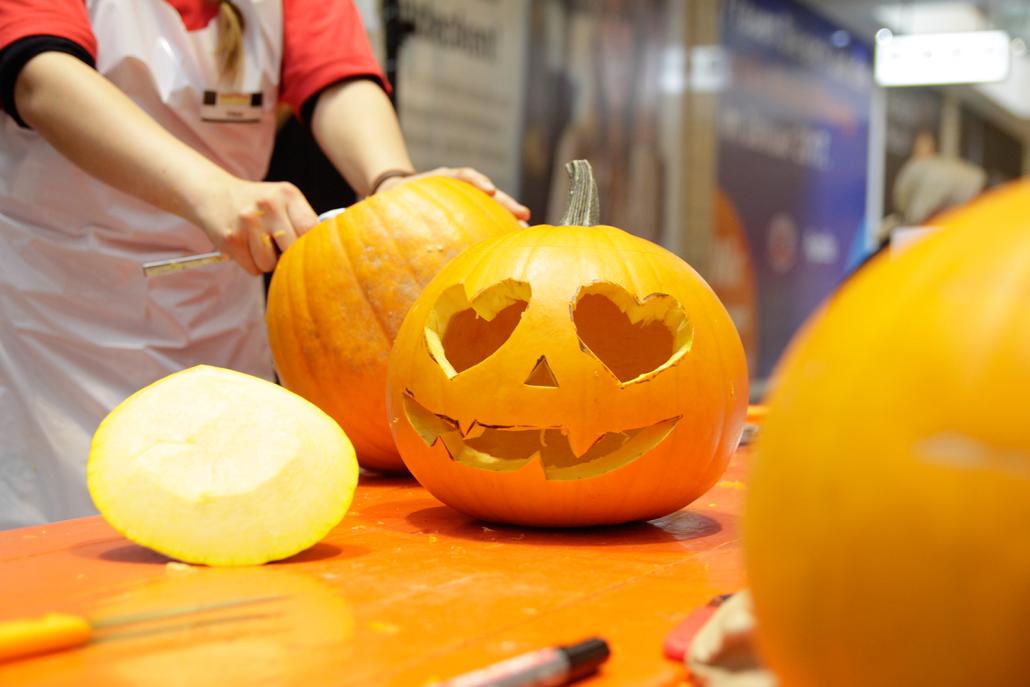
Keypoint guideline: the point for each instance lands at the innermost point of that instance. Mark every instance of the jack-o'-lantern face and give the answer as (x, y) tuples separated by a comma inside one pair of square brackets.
[(567, 376), (620, 338)]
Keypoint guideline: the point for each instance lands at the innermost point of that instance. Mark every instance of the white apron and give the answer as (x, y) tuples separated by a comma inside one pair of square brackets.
[(80, 327)]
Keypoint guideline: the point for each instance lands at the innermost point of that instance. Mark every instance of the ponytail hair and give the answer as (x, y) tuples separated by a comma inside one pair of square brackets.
[(230, 40)]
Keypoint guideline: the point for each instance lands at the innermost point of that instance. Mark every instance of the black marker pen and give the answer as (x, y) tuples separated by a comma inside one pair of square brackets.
[(544, 668)]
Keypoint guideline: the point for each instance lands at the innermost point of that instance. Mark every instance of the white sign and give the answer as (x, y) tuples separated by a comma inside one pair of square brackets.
[(460, 85), (942, 58)]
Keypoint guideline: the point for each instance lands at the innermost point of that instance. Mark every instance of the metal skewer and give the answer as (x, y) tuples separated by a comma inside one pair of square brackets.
[(152, 269)]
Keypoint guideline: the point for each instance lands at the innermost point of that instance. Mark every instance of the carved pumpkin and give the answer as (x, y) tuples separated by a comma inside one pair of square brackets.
[(339, 294), (569, 375), (888, 519)]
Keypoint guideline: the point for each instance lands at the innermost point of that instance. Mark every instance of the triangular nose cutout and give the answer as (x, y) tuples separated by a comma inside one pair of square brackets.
[(541, 374)]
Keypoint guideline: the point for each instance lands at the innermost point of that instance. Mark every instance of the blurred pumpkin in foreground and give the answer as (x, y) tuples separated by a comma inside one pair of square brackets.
[(888, 520), (569, 375), (339, 294)]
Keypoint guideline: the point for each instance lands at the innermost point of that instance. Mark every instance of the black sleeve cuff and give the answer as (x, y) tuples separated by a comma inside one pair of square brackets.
[(307, 110), (17, 54)]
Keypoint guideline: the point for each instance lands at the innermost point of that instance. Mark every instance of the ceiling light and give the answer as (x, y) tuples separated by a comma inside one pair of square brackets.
[(943, 58)]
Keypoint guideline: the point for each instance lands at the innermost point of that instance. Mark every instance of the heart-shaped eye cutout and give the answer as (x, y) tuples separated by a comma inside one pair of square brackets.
[(461, 334), (631, 337)]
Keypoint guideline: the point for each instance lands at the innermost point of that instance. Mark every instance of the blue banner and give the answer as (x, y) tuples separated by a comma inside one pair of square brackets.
[(793, 150)]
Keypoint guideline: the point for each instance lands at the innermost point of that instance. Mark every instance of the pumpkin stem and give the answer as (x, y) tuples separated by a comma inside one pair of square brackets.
[(584, 207)]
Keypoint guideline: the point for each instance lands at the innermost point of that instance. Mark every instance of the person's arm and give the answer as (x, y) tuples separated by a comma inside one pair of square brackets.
[(96, 126), (355, 124)]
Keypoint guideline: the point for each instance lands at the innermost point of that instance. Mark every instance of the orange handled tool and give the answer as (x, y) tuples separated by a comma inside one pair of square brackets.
[(39, 635), (56, 631)]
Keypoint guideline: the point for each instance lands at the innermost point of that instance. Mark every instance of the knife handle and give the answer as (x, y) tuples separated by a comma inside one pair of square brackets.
[(51, 632)]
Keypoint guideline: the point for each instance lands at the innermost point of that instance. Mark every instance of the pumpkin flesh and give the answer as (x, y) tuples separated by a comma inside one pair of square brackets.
[(214, 466)]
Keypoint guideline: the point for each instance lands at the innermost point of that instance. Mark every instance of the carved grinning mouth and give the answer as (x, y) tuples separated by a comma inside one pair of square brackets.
[(509, 448)]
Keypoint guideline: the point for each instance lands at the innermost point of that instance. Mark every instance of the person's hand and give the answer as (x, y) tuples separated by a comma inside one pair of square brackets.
[(723, 653), (253, 222), (477, 179)]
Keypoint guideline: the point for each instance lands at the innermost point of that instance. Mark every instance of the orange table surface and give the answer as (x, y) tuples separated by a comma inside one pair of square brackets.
[(403, 592)]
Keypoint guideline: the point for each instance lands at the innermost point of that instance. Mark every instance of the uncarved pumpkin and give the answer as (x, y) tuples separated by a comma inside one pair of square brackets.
[(888, 521), (340, 292), (214, 466), (565, 376)]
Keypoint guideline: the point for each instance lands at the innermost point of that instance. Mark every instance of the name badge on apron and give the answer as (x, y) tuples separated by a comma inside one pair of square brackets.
[(231, 107)]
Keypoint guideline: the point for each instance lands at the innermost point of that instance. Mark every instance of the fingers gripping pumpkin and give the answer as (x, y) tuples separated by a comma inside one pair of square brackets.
[(569, 375)]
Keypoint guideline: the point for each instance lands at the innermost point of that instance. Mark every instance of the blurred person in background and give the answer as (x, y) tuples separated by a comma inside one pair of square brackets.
[(926, 185), (139, 131)]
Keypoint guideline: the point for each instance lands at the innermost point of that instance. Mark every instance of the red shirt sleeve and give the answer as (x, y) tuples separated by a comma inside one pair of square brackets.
[(323, 42), (63, 18)]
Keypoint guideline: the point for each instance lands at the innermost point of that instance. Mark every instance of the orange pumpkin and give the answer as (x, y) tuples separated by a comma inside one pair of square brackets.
[(568, 375), (339, 294), (888, 520)]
